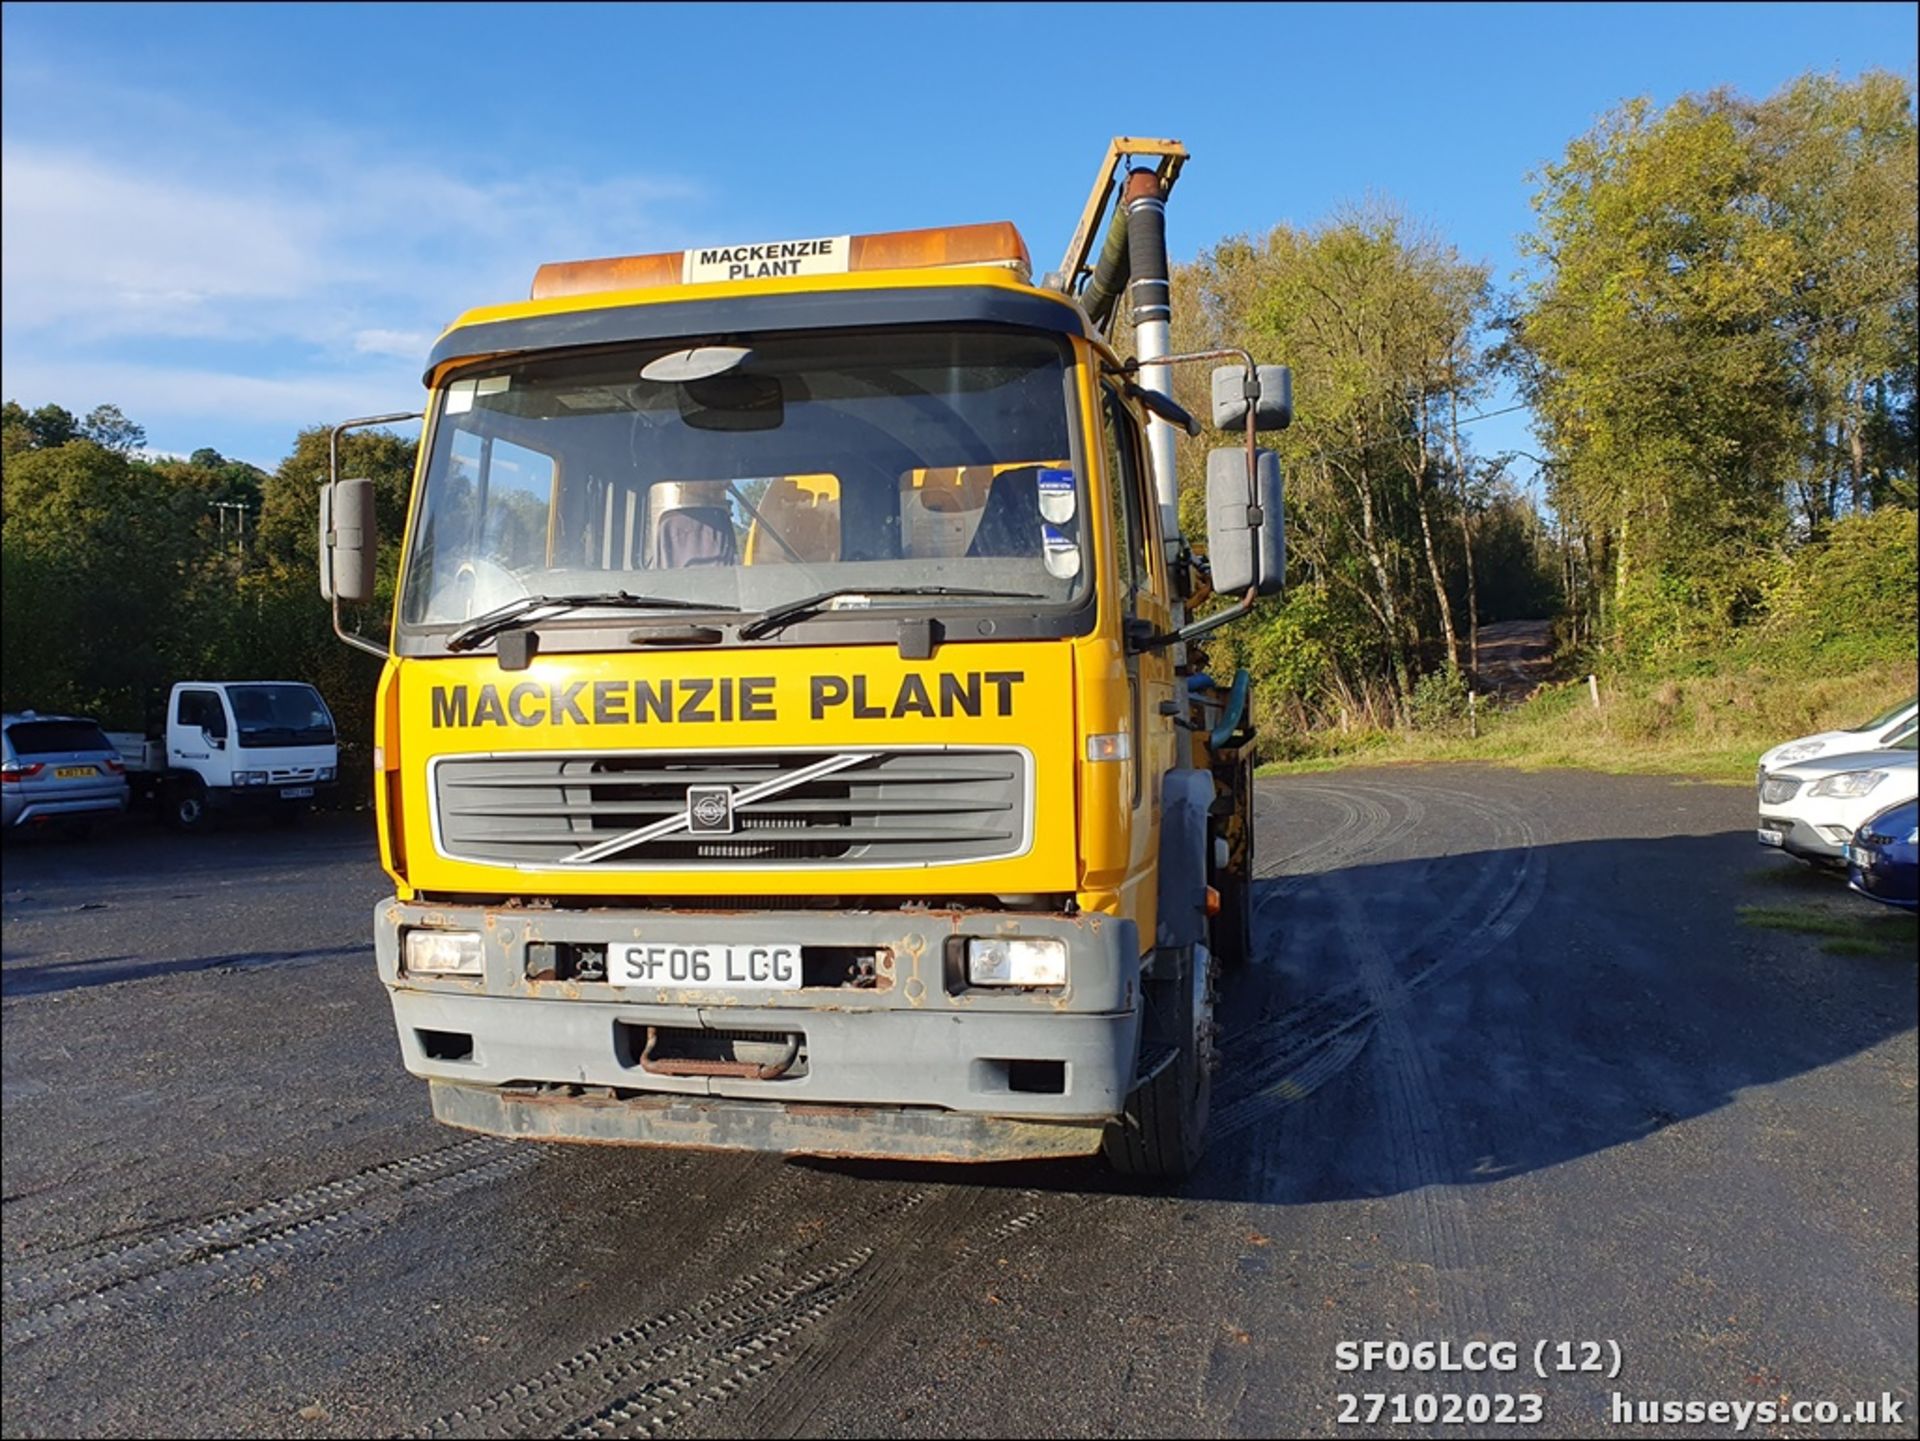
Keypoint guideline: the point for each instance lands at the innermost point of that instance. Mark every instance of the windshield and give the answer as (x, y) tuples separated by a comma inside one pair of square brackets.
[(55, 737), (749, 479), (1888, 716), (280, 715)]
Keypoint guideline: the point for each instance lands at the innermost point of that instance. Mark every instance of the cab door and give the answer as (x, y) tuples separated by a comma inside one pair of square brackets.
[(1144, 611), (199, 735)]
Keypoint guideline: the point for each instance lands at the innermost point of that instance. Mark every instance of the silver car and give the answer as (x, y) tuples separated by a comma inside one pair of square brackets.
[(58, 769)]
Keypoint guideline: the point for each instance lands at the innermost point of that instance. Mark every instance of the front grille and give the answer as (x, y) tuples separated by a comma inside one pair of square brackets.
[(1775, 789), (883, 808)]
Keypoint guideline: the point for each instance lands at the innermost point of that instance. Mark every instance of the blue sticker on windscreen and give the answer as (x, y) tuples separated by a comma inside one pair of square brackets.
[(1056, 494)]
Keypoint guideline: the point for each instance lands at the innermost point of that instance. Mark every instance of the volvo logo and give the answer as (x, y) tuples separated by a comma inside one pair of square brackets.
[(710, 810)]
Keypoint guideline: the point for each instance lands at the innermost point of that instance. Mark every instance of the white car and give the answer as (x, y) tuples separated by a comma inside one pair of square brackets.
[(1873, 735), (1812, 809)]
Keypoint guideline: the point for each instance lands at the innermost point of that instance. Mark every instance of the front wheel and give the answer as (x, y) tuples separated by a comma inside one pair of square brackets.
[(184, 805), (1162, 1134)]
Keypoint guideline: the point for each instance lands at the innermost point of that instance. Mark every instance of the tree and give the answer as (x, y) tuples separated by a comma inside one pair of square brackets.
[(52, 425), (16, 429), (1719, 342), (106, 427), (1381, 323), (99, 559)]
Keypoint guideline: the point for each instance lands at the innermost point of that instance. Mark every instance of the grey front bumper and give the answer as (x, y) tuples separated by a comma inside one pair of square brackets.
[(922, 1068), (1800, 838)]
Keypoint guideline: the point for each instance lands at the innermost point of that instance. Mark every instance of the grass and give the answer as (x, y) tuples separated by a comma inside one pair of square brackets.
[(1852, 946), (1792, 875), (1712, 726), (1846, 934)]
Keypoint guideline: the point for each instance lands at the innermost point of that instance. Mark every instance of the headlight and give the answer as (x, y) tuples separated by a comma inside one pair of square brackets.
[(1799, 751), (444, 953), (1913, 836), (326, 773), (1017, 962), (1848, 784), (249, 778)]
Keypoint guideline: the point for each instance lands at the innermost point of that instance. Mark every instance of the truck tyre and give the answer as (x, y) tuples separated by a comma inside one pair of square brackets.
[(184, 805), (1162, 1134)]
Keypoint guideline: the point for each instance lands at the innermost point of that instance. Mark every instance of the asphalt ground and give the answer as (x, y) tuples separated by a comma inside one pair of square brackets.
[(1507, 1070)]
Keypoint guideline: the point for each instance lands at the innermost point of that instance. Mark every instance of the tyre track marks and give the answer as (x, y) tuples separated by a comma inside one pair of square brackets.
[(46, 1297), (770, 1337), (1299, 1051)]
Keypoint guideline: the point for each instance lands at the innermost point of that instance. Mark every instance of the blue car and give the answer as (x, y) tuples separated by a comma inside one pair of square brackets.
[(1883, 859)]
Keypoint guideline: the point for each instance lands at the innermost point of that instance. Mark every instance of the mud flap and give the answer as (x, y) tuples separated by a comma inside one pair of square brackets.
[(1181, 919)]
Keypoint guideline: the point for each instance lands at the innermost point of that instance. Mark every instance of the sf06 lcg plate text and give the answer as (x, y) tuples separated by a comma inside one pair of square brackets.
[(648, 963)]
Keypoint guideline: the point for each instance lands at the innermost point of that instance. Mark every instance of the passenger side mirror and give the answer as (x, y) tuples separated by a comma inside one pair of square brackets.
[(1268, 391), (348, 541), (1165, 407), (1246, 538)]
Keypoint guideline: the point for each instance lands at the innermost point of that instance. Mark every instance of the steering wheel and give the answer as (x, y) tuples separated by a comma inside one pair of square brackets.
[(477, 587)]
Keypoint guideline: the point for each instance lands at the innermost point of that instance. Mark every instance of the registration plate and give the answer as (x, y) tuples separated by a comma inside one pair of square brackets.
[(295, 793), (1771, 838), (74, 773), (760, 968)]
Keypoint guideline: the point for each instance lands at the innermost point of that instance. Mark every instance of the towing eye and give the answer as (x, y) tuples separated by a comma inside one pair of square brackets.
[(695, 1066)]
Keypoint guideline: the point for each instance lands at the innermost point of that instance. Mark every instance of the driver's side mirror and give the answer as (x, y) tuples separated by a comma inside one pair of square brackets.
[(348, 541), (1246, 526)]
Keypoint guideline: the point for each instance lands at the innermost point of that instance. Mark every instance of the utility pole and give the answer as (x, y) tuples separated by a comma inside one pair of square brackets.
[(239, 509)]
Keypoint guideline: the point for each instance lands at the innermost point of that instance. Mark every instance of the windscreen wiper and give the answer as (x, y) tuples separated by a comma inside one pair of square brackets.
[(797, 609), (521, 612)]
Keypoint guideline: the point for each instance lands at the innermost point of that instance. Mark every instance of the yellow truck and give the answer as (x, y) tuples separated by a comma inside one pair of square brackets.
[(791, 735)]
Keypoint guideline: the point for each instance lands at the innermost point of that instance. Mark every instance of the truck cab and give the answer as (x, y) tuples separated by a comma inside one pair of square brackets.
[(782, 742), (235, 745)]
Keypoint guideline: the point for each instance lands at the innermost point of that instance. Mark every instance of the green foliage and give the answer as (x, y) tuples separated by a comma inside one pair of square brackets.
[(1852, 600), (103, 548), (1391, 520), (120, 577), (107, 428), (1719, 345), (49, 426), (1511, 549), (1439, 702)]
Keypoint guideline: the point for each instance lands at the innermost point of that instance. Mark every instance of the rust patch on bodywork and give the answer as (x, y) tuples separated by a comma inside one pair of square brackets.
[(877, 1133)]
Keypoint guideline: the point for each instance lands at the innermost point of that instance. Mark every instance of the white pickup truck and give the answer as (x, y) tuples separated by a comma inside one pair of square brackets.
[(231, 744)]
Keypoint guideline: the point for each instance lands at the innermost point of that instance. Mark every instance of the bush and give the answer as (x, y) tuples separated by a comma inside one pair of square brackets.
[(1439, 701), (1851, 599)]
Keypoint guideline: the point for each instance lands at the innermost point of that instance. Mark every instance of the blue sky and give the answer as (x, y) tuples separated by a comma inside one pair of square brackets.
[(234, 221)]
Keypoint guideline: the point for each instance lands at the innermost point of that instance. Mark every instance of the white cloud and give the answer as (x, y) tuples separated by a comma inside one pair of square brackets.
[(106, 249), (298, 275), (147, 390), (401, 344), (82, 241)]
